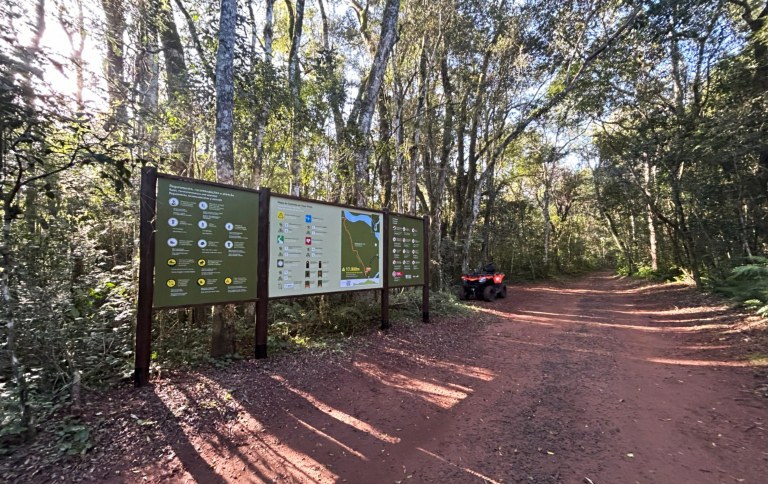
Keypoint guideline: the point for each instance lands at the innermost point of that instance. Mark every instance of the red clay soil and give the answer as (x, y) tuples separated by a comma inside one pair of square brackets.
[(595, 380)]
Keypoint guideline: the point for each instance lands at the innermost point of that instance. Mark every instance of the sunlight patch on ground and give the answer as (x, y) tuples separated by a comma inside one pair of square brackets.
[(635, 290), (541, 321), (550, 321), (465, 469), (577, 316), (464, 370), (260, 457), (705, 347), (734, 364), (439, 395), (720, 310), (322, 434), (663, 329), (477, 372), (714, 319), (670, 329), (282, 461), (279, 461), (338, 414)]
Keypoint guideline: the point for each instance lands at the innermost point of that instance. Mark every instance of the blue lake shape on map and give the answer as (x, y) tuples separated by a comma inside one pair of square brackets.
[(365, 218)]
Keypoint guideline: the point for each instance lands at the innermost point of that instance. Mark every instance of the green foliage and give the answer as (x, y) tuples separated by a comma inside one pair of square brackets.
[(646, 272), (315, 322), (73, 293), (66, 265), (72, 437), (692, 157), (11, 428), (757, 269), (180, 340), (748, 285)]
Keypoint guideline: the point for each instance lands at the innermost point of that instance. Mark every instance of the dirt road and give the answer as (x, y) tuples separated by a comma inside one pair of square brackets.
[(595, 380)]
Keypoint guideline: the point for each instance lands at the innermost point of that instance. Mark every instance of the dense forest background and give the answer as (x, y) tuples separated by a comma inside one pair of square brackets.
[(546, 137)]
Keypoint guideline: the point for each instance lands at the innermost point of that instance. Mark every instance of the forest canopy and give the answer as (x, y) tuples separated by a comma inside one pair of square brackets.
[(545, 137)]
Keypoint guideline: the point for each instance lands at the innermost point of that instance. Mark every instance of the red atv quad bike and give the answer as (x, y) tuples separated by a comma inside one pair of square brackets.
[(485, 283)]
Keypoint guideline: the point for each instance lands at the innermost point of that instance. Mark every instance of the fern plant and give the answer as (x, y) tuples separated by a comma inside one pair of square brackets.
[(756, 269), (748, 284)]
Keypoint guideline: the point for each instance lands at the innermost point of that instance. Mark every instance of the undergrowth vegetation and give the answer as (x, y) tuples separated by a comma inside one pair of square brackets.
[(747, 285), (181, 340), (314, 323)]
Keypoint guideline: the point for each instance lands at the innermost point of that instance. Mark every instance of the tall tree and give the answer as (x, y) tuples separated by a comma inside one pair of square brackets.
[(360, 118), (147, 81), (294, 86), (114, 13), (223, 332), (262, 113), (178, 89)]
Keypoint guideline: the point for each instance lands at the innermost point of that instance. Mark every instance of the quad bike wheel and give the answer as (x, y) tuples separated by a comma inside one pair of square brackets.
[(462, 293), (502, 291), (489, 293)]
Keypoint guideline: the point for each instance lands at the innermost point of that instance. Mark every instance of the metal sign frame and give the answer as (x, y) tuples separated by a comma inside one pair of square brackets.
[(147, 231)]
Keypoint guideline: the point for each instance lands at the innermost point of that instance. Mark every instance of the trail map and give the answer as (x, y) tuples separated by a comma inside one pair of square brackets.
[(360, 239)]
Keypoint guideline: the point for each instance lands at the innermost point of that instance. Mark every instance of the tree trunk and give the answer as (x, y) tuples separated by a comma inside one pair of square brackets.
[(471, 185), (486, 255), (114, 13), (470, 229), (459, 198), (744, 232), (689, 243), (547, 228), (336, 94), (361, 116), (76, 34), (399, 141), (201, 53), (294, 84), (259, 128), (613, 227), (177, 87), (225, 93), (385, 133), (223, 330), (439, 184), (147, 81), (652, 242), (418, 136)]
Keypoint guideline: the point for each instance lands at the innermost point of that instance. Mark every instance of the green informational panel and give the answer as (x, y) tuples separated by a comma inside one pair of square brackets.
[(406, 254), (316, 248), (205, 244)]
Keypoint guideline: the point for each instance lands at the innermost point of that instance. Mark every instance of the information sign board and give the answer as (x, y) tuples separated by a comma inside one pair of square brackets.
[(316, 248), (406, 254), (205, 244)]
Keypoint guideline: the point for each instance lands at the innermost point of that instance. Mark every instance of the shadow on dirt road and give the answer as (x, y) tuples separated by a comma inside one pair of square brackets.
[(592, 380)]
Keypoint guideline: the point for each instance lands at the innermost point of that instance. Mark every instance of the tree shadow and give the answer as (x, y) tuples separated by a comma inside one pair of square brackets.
[(339, 419)]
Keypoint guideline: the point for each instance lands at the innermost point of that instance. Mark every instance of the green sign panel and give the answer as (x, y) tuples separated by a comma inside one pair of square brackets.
[(316, 248), (406, 254), (205, 244)]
